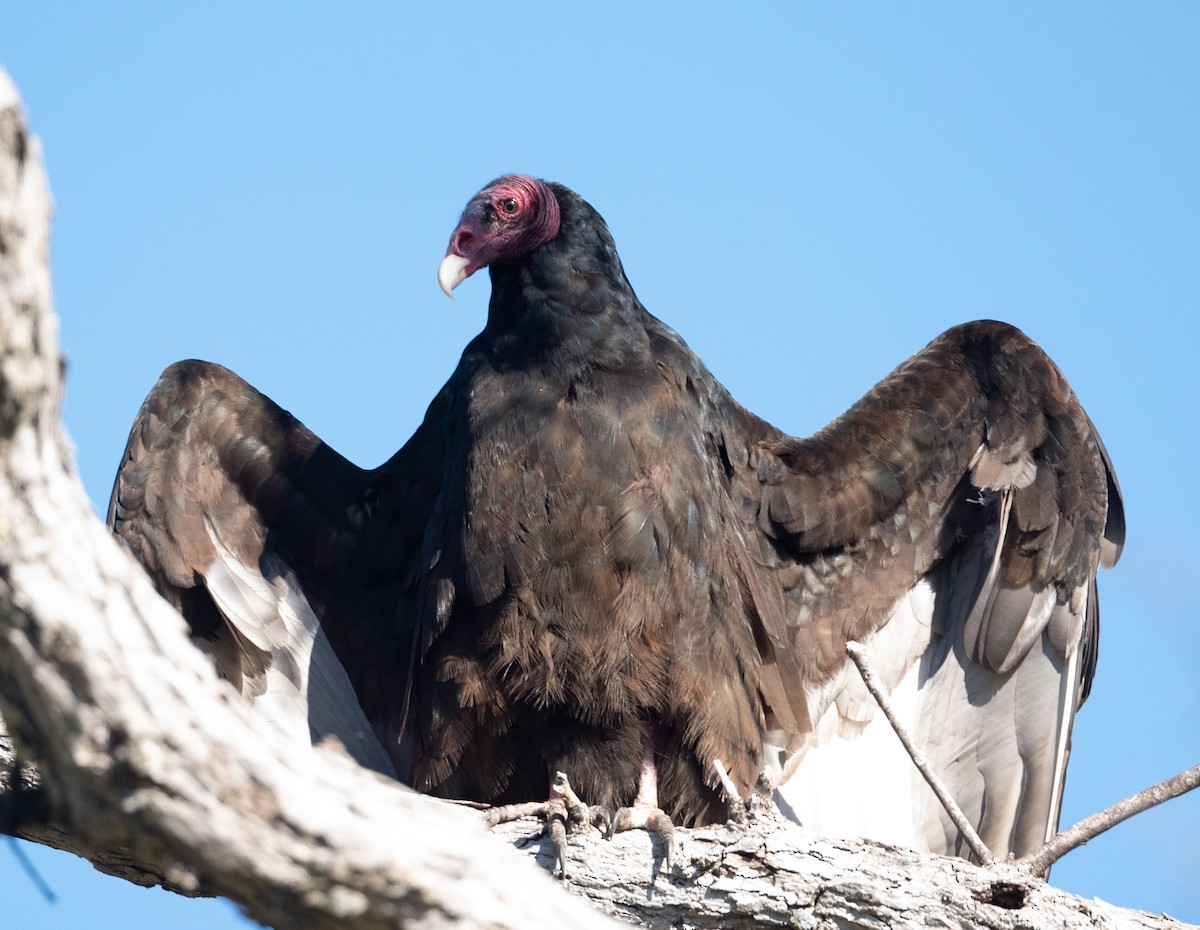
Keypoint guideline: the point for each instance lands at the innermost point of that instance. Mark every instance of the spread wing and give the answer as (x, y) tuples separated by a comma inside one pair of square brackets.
[(952, 520), (288, 562)]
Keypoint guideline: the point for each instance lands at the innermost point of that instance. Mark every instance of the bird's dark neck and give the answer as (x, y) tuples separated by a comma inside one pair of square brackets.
[(568, 305)]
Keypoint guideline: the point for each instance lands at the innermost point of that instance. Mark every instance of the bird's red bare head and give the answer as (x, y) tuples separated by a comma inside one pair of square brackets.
[(505, 221)]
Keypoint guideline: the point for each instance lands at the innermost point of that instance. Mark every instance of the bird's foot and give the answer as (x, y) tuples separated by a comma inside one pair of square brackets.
[(560, 814), (644, 813), (646, 817)]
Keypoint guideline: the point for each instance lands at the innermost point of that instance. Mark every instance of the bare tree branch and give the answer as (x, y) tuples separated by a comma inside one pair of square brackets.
[(1036, 863)]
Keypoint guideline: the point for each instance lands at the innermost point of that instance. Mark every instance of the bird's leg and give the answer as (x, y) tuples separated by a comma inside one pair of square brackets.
[(645, 814)]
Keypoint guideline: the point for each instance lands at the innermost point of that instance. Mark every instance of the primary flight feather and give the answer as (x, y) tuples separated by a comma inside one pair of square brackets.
[(590, 558)]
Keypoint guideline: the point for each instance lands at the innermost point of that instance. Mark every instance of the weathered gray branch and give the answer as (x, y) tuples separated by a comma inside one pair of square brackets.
[(151, 767), (1090, 827), (767, 874)]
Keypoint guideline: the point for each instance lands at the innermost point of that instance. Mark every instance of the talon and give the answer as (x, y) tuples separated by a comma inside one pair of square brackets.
[(660, 823), (612, 816), (556, 824)]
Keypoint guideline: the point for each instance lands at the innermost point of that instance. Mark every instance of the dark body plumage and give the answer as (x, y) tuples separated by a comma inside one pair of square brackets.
[(589, 552)]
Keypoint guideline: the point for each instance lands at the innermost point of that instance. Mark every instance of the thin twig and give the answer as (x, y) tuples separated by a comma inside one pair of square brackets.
[(735, 806), (858, 655), (1037, 862), (31, 871), (730, 789)]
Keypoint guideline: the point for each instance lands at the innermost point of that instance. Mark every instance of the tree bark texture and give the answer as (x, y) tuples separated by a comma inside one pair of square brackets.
[(153, 769)]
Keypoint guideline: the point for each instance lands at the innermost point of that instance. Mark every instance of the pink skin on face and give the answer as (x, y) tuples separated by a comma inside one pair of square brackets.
[(508, 219)]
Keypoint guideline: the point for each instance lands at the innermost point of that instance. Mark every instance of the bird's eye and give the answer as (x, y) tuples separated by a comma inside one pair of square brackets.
[(509, 206)]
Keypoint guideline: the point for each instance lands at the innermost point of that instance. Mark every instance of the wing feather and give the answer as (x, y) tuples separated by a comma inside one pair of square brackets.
[(277, 552), (953, 520)]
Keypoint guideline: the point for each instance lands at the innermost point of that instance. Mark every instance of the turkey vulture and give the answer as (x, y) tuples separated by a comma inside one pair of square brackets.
[(590, 558)]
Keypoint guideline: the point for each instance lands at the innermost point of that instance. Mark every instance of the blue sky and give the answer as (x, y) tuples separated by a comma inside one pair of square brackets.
[(808, 193)]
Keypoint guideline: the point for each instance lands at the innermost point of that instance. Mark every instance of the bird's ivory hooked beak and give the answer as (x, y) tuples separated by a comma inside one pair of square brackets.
[(452, 272)]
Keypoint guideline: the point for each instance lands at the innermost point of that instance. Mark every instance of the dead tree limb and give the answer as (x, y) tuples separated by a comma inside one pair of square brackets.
[(1036, 863)]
